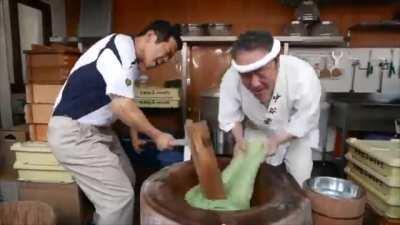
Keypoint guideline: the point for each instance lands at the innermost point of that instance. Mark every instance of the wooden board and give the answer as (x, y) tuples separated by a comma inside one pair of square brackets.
[(42, 93), (38, 113), (53, 48), (253, 15), (157, 92), (205, 162), (157, 103), (50, 60), (45, 67), (47, 75), (38, 132)]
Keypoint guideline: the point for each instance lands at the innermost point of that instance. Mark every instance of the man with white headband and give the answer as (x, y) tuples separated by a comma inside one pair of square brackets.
[(272, 96)]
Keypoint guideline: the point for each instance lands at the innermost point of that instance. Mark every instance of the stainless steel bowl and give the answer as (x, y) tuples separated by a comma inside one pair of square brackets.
[(334, 187), (295, 28), (325, 28), (193, 29), (219, 29)]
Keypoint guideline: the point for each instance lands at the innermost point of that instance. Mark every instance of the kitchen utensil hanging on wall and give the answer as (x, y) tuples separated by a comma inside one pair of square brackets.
[(398, 68), (325, 72), (383, 66), (354, 66), (370, 68), (335, 70), (392, 71)]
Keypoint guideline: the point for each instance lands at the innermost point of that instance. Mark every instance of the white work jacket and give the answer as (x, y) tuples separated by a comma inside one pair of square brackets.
[(293, 107)]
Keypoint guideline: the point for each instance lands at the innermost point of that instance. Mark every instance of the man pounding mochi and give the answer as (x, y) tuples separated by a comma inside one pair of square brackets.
[(272, 96)]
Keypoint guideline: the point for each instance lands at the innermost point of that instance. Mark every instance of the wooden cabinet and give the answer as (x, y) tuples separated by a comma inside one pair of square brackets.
[(49, 65)]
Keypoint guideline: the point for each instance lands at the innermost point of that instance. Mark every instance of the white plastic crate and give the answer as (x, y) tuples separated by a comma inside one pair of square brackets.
[(40, 173), (36, 153)]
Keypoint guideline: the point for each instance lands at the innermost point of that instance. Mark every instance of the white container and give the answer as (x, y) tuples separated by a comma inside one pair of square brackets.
[(36, 153)]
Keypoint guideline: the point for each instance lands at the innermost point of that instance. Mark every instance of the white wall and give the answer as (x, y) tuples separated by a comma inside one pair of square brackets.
[(343, 83), (362, 82), (5, 65), (30, 30), (58, 18)]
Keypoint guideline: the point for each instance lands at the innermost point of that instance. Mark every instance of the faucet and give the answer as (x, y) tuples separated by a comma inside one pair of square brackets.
[(383, 65), (355, 63)]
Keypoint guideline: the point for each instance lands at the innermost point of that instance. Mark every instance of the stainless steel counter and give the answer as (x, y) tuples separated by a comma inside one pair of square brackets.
[(362, 112)]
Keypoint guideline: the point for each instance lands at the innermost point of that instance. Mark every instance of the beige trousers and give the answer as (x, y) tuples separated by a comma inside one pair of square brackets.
[(99, 165), (298, 161)]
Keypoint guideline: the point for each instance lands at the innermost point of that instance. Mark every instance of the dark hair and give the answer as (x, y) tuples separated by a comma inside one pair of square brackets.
[(252, 40), (164, 30)]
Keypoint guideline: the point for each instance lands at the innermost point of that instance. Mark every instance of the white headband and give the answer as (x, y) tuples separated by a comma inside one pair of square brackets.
[(276, 48)]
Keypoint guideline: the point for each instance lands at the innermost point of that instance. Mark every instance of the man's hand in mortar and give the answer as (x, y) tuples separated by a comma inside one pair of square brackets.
[(272, 143), (240, 142), (240, 147), (271, 146)]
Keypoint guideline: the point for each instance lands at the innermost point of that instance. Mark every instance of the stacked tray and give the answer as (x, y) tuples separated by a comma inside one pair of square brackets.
[(375, 165), (35, 162)]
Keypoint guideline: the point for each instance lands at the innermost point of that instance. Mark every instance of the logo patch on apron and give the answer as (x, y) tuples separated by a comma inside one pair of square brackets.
[(128, 82)]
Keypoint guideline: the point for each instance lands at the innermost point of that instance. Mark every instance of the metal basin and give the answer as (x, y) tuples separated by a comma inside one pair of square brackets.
[(334, 187)]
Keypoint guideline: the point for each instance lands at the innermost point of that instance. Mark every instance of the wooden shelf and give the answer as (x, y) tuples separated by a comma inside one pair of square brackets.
[(389, 25), (292, 40)]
